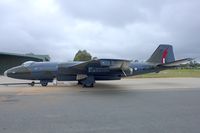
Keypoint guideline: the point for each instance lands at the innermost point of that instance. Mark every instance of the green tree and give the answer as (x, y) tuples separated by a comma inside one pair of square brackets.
[(82, 56)]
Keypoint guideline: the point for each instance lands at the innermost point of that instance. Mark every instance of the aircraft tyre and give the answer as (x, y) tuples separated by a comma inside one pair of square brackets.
[(88, 85), (32, 83), (44, 83), (88, 82)]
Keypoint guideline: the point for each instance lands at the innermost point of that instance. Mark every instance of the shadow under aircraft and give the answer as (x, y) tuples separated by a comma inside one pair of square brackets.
[(88, 72)]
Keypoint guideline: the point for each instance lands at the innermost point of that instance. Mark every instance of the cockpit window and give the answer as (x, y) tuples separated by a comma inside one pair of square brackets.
[(28, 63)]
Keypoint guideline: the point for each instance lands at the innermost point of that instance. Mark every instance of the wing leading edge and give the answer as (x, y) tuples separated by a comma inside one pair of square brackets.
[(111, 63)]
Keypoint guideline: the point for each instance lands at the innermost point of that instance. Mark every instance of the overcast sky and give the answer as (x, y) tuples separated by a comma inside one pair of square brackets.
[(127, 29)]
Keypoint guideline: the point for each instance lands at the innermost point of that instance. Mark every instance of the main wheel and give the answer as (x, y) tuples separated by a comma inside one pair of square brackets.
[(88, 82), (88, 85), (44, 83)]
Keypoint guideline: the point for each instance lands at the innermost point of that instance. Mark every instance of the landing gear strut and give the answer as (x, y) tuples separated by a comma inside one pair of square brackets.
[(79, 82)]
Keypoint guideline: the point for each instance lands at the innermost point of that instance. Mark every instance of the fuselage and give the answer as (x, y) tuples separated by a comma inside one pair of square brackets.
[(50, 70)]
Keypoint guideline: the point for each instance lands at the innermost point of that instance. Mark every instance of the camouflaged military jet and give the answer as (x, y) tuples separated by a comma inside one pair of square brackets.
[(87, 73)]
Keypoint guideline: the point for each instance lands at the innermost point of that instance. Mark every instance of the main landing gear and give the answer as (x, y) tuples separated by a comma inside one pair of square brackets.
[(87, 82), (43, 83)]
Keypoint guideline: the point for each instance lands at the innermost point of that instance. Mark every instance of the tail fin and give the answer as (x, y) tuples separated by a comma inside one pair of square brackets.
[(163, 54)]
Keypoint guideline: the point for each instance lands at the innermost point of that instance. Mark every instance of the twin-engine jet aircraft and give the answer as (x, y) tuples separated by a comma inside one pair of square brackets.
[(86, 73)]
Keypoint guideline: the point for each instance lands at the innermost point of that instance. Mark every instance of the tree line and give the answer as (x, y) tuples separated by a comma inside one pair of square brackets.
[(191, 65)]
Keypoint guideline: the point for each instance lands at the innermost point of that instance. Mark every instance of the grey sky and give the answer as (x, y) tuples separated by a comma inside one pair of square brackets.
[(129, 29)]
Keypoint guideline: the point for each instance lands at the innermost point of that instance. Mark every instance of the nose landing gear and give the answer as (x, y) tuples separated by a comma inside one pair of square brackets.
[(32, 83)]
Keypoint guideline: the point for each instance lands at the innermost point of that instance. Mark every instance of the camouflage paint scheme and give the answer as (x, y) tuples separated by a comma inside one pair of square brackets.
[(86, 73)]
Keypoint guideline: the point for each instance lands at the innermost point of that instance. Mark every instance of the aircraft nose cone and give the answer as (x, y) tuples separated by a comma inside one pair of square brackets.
[(6, 73)]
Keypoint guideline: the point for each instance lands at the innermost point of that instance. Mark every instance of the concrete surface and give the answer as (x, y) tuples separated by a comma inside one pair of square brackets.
[(126, 106)]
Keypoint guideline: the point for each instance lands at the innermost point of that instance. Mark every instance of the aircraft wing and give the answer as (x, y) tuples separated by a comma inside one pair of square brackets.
[(177, 62), (103, 64), (83, 65), (111, 63)]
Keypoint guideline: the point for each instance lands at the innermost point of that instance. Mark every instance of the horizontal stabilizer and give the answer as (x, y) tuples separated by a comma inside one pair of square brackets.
[(177, 63)]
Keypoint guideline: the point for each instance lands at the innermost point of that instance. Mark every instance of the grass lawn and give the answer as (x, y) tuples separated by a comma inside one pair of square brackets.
[(172, 73)]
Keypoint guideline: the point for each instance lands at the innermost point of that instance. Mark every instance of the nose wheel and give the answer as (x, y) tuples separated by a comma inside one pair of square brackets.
[(32, 83)]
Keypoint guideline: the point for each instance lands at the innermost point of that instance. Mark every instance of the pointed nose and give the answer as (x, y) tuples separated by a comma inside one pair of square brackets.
[(6, 73)]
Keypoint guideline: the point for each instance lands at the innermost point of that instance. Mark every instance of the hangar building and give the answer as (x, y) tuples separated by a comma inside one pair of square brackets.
[(8, 60)]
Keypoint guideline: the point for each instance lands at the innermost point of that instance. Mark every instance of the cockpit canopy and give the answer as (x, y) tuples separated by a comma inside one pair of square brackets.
[(27, 63)]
